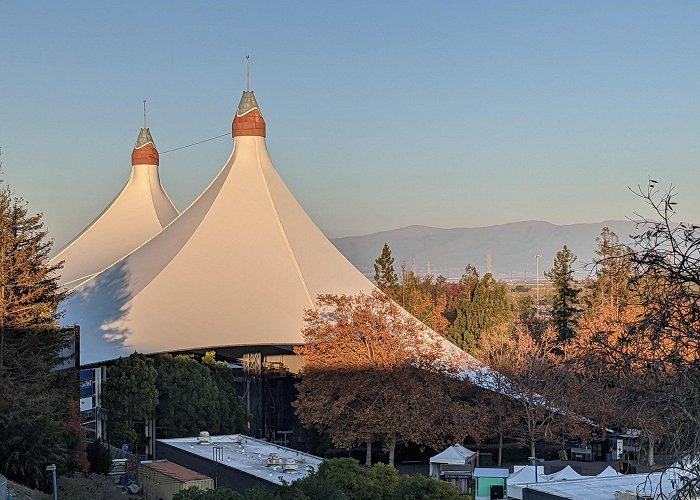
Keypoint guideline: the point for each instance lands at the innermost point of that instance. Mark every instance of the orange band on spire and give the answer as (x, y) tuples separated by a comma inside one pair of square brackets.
[(251, 123), (145, 155)]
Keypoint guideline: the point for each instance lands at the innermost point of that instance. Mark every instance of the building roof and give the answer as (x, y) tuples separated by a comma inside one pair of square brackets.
[(140, 210), (249, 455), (491, 472), (604, 488), (237, 268), (174, 471)]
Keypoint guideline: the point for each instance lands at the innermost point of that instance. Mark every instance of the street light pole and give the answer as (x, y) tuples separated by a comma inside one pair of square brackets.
[(535, 461), (537, 285)]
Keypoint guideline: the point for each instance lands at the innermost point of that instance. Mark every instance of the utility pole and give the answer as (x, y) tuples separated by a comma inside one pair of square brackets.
[(537, 283)]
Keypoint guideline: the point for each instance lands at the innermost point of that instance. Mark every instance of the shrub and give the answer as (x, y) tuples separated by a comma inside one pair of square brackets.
[(99, 457)]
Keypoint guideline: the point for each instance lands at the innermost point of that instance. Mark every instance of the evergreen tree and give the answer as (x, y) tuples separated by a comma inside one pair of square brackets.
[(232, 410), (130, 397), (36, 397), (183, 395), (482, 304), (467, 284), (565, 308), (197, 396), (490, 308), (610, 287), (384, 273), (189, 398)]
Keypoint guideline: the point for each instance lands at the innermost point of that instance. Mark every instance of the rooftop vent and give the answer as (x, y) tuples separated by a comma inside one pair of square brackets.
[(290, 465), (204, 438), (273, 459)]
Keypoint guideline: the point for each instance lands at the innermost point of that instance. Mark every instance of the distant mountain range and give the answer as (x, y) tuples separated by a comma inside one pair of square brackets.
[(506, 250)]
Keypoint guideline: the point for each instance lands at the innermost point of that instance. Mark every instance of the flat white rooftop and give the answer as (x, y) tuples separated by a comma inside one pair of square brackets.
[(604, 488), (249, 455)]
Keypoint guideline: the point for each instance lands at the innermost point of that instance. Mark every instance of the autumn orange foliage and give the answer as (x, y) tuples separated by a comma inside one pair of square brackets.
[(372, 373)]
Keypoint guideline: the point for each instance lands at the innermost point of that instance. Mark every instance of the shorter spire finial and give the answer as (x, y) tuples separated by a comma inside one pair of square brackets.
[(247, 73), (144, 114)]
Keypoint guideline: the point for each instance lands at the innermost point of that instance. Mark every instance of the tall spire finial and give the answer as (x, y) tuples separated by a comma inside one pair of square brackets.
[(144, 114), (247, 73)]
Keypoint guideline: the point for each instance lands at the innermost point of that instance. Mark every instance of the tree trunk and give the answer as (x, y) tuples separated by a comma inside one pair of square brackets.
[(500, 448), (368, 454), (650, 454), (532, 447), (392, 449)]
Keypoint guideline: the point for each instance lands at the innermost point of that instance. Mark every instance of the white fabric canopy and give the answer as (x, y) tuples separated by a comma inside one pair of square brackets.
[(567, 473), (608, 472), (454, 455), (526, 474), (140, 211), (237, 268)]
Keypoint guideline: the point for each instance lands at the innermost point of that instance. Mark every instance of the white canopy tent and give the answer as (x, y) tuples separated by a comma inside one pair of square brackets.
[(567, 473), (140, 210), (450, 459), (526, 474), (608, 472)]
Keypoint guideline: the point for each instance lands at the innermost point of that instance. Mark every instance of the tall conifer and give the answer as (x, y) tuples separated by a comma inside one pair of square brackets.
[(565, 309), (36, 398), (384, 273)]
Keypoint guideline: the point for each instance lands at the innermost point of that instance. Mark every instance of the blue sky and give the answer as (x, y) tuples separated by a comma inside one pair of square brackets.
[(379, 114)]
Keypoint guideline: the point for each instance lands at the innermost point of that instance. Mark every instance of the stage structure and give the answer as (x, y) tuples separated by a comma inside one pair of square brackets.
[(140, 211)]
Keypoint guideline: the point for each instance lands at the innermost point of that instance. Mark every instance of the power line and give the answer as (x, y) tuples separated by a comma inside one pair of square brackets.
[(195, 143)]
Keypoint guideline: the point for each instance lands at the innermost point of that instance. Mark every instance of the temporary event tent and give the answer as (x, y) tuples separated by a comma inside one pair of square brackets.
[(456, 457), (608, 472), (567, 473), (526, 474), (140, 210)]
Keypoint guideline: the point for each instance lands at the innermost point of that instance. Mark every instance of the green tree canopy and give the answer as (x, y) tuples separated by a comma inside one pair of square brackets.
[(384, 273), (36, 396), (189, 397), (129, 396), (197, 396), (184, 395), (610, 287), (565, 309), (482, 304)]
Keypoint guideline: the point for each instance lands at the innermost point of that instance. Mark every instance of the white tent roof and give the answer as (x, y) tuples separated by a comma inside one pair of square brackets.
[(608, 472), (526, 474), (454, 455), (237, 268), (140, 210), (567, 473)]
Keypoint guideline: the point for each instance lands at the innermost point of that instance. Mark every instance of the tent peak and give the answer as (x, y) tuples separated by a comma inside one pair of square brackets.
[(145, 152), (248, 120)]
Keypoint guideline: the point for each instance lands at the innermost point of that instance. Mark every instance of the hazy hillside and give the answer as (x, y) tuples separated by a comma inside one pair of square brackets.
[(512, 246)]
